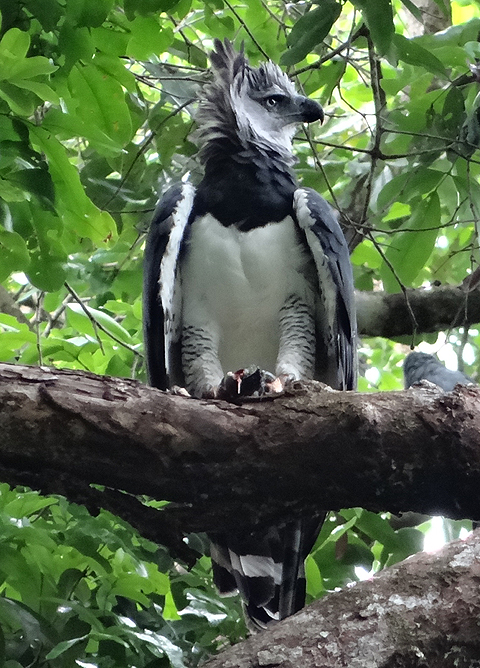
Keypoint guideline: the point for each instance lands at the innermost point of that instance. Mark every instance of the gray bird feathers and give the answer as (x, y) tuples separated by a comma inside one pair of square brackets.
[(422, 366), (249, 269), (245, 106)]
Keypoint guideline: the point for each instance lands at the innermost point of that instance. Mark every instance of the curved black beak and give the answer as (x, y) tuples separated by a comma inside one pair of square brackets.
[(310, 111)]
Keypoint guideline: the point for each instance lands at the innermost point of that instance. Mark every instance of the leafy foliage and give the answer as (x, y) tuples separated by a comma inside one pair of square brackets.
[(96, 108), (75, 586)]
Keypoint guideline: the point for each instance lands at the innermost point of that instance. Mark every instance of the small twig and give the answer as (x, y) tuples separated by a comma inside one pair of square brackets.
[(179, 25), (148, 79), (379, 102), (334, 52), (98, 326), (473, 208), (381, 155), (126, 258), (19, 292), (247, 29), (320, 166), (144, 147), (463, 343), (401, 285), (56, 314), (273, 15), (472, 280), (38, 309)]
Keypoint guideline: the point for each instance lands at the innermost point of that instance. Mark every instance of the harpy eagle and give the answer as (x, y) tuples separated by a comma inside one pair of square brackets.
[(246, 269), (422, 366)]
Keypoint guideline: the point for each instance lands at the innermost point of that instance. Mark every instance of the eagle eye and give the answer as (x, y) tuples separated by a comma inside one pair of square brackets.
[(273, 101)]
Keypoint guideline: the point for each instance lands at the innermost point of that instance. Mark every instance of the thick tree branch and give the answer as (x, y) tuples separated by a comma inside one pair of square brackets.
[(383, 314), (411, 450), (422, 612)]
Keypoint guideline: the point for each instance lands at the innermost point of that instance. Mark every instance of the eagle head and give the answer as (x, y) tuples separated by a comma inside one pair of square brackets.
[(252, 106)]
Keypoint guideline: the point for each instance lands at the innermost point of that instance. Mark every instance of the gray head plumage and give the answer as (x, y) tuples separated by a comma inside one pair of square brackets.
[(237, 109)]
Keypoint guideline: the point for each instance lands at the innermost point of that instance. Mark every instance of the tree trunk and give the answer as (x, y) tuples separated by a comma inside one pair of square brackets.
[(422, 613), (436, 15)]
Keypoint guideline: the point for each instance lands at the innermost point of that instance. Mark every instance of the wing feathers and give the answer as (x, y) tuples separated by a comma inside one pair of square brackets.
[(336, 318), (161, 294)]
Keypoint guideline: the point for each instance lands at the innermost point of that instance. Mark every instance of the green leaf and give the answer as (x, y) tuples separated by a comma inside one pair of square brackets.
[(378, 15), (29, 68), (46, 271), (110, 41), (7, 130), (310, 30), (69, 125), (115, 68), (408, 185), (14, 46), (76, 44), (409, 250), (2, 649), (34, 626), (88, 13), (13, 253), (377, 528), (413, 9), (18, 71), (78, 212), (410, 541), (28, 504), (148, 38), (35, 181), (48, 12), (366, 253), (64, 646), (330, 76), (9, 192), (102, 102), (41, 90), (452, 112), (79, 319), (19, 102), (411, 52), (315, 585)]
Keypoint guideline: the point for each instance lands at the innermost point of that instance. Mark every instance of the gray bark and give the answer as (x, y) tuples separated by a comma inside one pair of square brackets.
[(421, 613), (435, 16), (434, 310)]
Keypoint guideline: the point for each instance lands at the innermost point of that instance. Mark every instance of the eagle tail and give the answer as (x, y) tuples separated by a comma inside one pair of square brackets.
[(267, 568)]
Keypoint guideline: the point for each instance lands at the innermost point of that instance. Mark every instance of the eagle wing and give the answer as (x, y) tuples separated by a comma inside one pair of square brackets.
[(161, 287), (336, 352)]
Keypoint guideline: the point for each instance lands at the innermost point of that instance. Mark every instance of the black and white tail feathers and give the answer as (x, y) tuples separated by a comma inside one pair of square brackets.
[(266, 567)]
